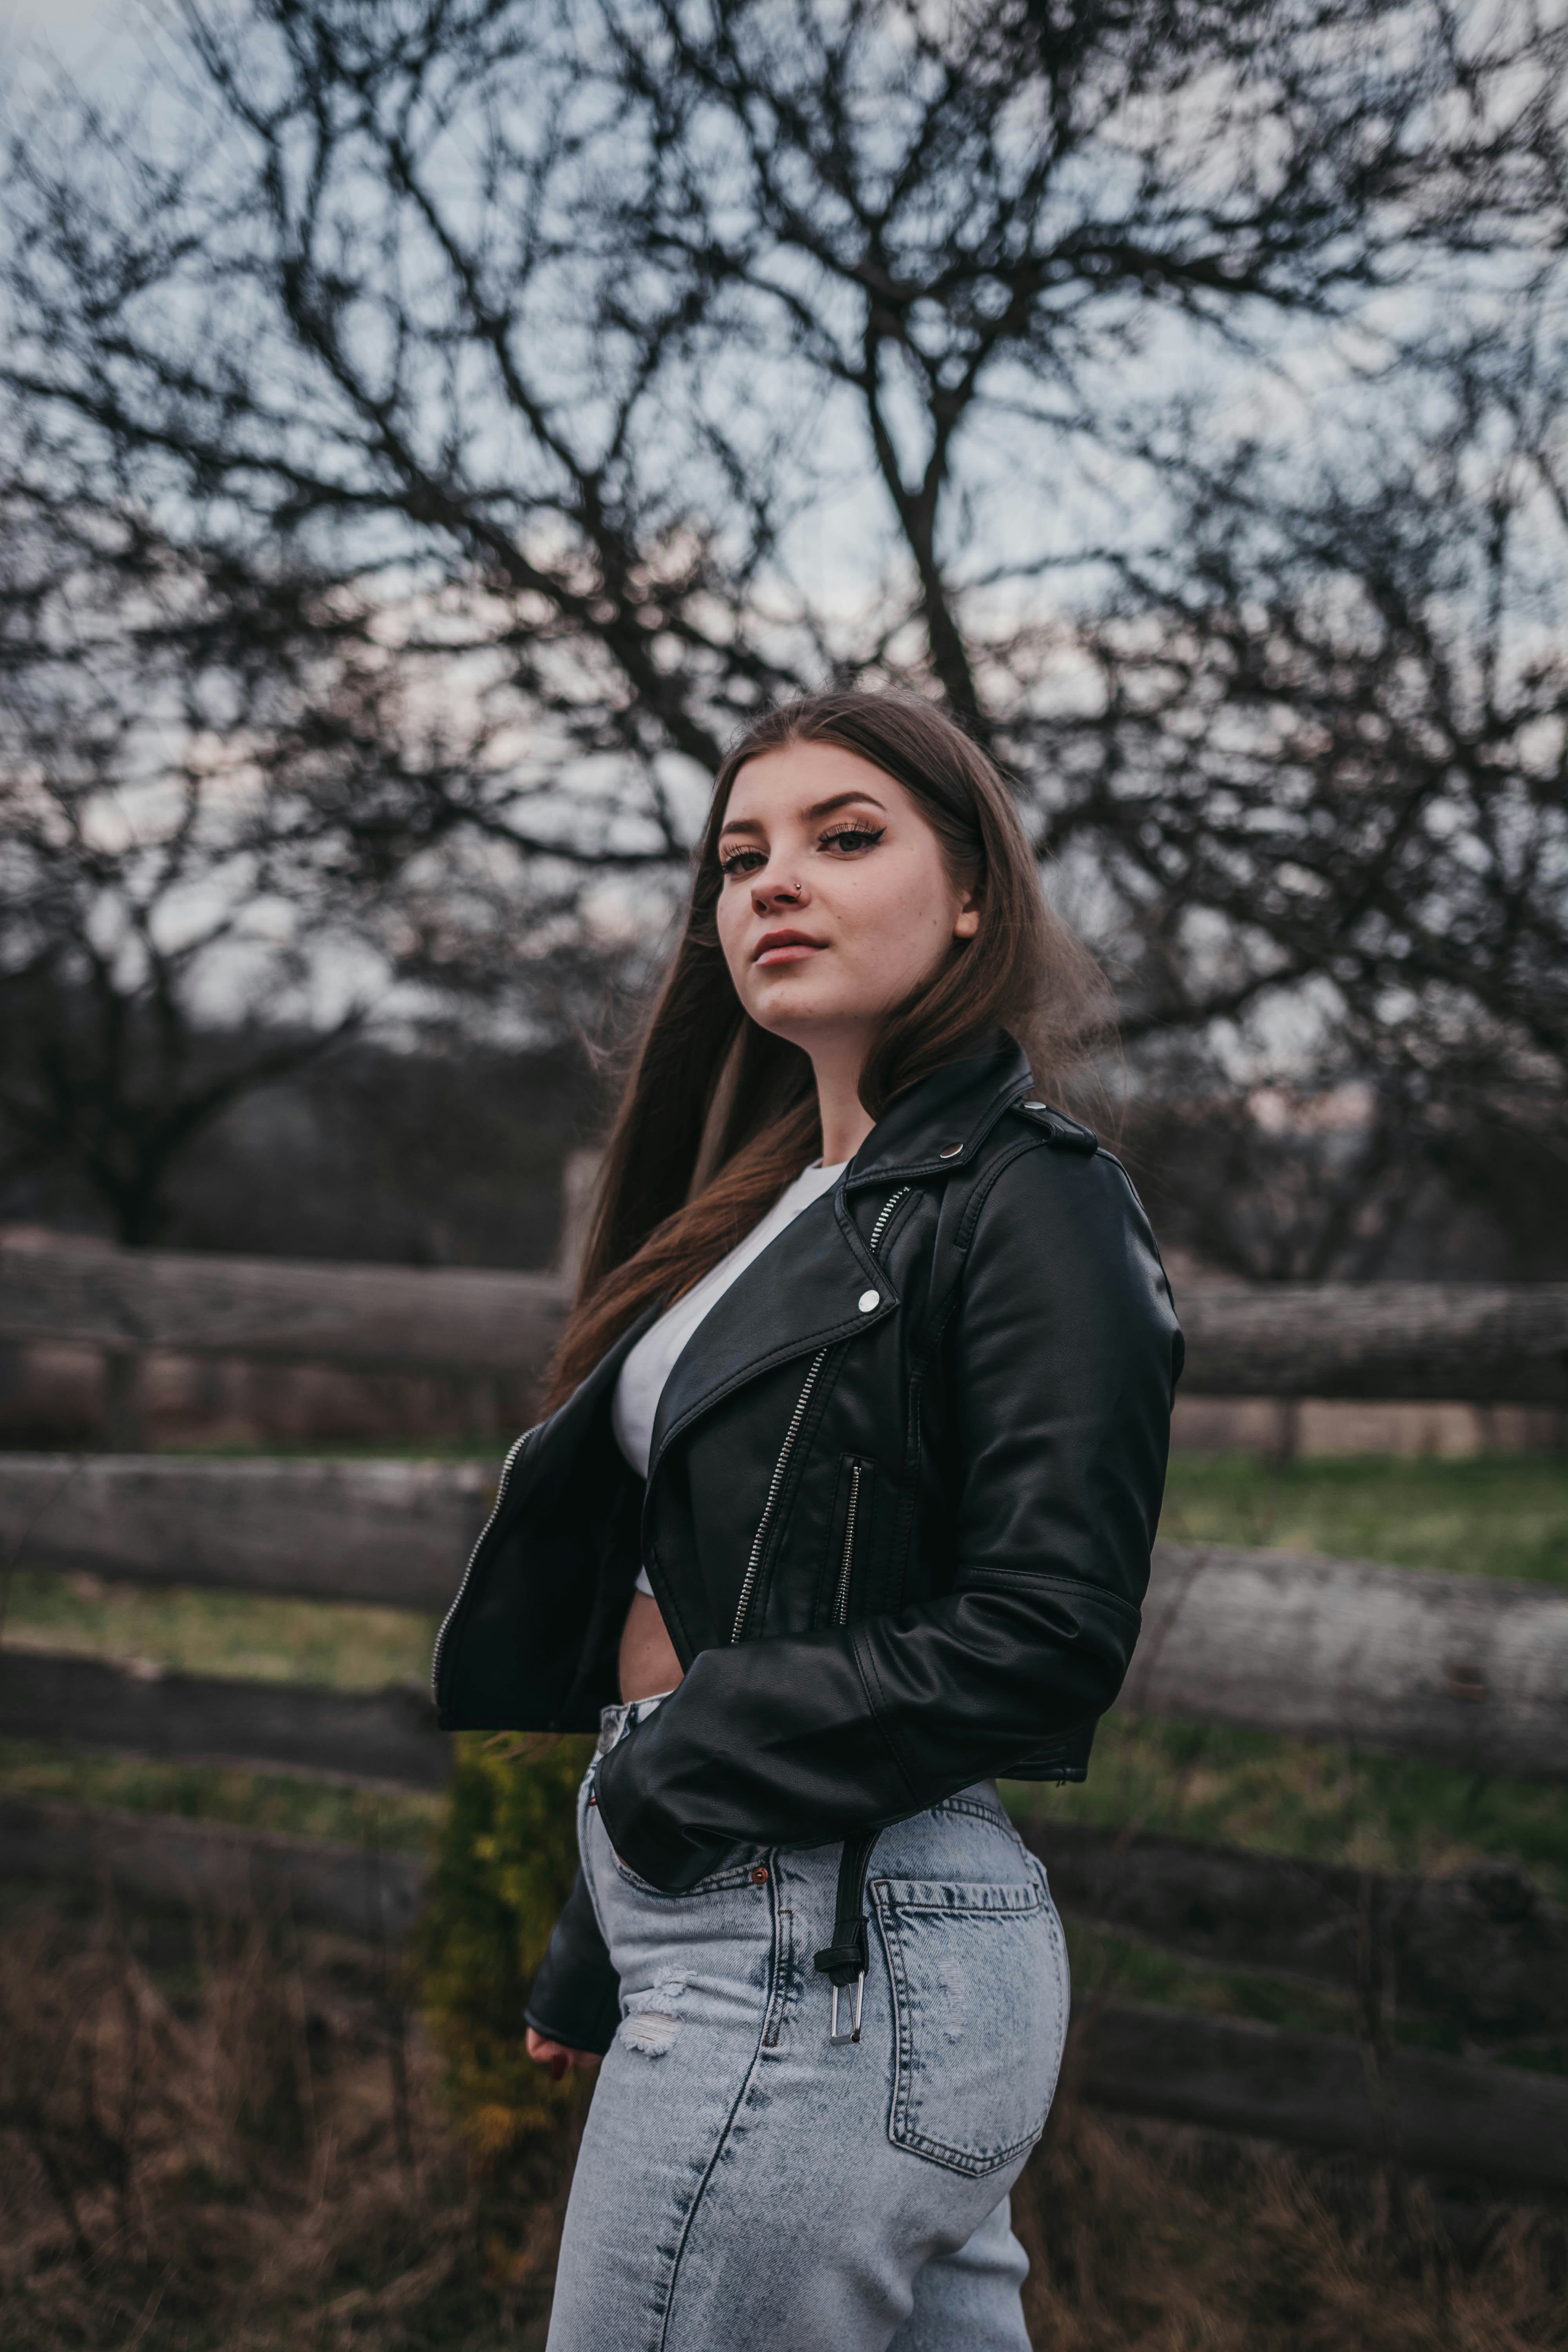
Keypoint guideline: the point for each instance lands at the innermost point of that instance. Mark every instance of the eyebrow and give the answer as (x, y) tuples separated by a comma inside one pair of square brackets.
[(818, 808)]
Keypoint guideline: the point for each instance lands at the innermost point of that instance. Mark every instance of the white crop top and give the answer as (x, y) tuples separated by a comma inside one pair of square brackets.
[(650, 1363)]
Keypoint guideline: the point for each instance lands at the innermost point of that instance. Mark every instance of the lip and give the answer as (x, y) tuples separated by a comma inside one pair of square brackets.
[(786, 947)]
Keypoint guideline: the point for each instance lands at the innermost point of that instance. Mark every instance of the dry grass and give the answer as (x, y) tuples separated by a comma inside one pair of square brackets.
[(232, 2141), (1144, 2238), (235, 2140)]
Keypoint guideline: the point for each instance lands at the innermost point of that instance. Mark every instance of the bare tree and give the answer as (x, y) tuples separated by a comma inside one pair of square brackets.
[(604, 372), (1322, 778), (584, 323), (229, 833), (150, 881)]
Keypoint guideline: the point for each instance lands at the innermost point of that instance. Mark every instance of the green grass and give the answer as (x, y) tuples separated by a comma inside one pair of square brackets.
[(251, 1635), (206, 1792), (1488, 1516), (1317, 1800)]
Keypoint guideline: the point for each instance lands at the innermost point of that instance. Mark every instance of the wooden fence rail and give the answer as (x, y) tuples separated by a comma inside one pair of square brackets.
[(208, 1866), (381, 1317), (1482, 1343), (385, 1737), (1479, 1343), (1471, 1672), (392, 1533), (1433, 2114), (1466, 1669), (1483, 1951), (1445, 2115)]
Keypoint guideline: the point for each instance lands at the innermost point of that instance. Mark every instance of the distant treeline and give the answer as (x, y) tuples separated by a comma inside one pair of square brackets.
[(452, 1155), (429, 1156)]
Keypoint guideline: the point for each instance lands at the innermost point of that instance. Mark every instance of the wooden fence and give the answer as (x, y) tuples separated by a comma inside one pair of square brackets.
[(1473, 1342), (1467, 1671)]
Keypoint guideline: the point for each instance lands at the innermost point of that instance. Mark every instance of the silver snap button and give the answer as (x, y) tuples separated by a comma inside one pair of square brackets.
[(950, 1151), (869, 1301), (1034, 1105)]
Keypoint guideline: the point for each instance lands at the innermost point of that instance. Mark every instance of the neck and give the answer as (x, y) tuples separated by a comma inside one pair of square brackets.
[(846, 1121)]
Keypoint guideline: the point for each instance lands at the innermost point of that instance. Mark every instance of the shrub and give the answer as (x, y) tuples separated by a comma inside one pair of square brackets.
[(503, 1868)]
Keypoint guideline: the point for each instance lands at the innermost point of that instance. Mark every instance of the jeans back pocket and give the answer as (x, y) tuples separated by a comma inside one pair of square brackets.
[(980, 2002)]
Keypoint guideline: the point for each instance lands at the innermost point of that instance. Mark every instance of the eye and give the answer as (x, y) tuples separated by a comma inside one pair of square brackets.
[(741, 861), (853, 838)]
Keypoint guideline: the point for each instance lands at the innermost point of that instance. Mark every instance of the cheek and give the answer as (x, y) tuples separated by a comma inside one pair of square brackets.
[(898, 919), (730, 917)]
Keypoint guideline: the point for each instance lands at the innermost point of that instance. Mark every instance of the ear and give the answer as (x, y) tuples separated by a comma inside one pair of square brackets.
[(966, 924)]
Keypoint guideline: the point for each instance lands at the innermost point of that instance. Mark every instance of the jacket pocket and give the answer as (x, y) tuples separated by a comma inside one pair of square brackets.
[(849, 1564), (979, 2005)]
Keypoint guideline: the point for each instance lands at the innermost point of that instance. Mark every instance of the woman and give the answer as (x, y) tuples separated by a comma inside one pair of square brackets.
[(844, 1506)]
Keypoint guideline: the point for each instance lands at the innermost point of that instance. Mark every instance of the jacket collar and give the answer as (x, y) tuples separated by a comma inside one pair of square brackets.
[(940, 1124), (806, 1289)]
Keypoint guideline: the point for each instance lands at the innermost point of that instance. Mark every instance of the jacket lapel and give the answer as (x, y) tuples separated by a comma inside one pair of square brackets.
[(805, 1290), (801, 1294)]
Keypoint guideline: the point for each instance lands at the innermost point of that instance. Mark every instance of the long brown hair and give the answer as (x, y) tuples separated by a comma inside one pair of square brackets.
[(719, 1115)]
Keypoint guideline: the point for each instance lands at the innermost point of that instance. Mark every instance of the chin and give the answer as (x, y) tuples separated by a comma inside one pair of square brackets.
[(789, 993), (804, 1020)]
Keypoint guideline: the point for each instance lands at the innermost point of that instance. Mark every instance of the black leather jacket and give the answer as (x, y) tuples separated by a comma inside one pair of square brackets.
[(903, 1486)]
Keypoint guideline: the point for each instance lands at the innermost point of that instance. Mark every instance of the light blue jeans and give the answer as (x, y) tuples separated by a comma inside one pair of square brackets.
[(743, 2186)]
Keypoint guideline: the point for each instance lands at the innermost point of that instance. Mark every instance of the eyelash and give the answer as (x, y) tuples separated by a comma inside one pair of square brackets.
[(866, 835)]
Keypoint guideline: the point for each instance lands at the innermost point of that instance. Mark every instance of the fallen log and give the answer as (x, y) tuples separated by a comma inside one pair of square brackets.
[(1444, 2116), (1483, 1951), (387, 1738), (392, 1533)]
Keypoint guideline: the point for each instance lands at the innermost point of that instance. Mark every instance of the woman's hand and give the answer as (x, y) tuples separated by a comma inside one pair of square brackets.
[(557, 2057)]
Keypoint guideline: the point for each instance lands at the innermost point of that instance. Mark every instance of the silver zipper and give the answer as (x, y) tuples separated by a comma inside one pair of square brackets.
[(774, 1483), (513, 1452), (841, 1600), (880, 1227), (791, 1433)]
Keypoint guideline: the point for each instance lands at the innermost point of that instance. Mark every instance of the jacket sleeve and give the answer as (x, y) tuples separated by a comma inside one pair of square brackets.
[(1064, 1350), (576, 1998)]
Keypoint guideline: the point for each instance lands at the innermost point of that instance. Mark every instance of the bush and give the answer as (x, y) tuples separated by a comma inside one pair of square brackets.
[(504, 1866)]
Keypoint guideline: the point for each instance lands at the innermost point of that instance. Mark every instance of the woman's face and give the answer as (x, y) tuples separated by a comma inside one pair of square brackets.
[(835, 902)]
